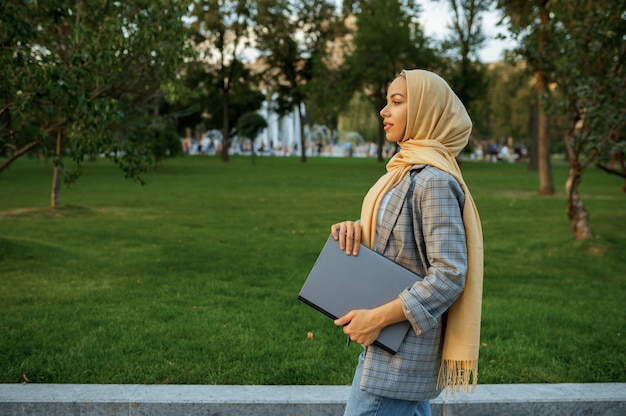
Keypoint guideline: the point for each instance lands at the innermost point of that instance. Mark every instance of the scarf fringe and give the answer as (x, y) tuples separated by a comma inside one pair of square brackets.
[(457, 375)]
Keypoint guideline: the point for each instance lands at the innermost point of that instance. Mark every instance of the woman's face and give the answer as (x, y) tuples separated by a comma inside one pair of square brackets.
[(394, 114)]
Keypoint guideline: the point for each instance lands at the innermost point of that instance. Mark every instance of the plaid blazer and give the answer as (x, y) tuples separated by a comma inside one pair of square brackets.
[(422, 230)]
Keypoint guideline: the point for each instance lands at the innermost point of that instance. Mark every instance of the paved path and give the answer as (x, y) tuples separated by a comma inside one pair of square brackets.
[(603, 399)]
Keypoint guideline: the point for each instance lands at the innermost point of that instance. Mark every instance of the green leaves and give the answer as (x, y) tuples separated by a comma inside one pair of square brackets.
[(250, 124), (89, 68)]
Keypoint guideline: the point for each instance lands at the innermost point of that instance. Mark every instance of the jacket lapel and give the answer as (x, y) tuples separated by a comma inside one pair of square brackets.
[(392, 211)]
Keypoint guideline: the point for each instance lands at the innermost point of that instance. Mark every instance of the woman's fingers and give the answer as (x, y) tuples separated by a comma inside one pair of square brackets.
[(348, 233)]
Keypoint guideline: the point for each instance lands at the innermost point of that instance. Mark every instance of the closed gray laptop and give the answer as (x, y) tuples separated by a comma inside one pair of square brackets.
[(339, 283)]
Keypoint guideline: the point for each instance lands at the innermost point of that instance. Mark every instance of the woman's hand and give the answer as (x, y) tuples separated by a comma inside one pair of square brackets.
[(348, 233), (361, 325), (364, 325)]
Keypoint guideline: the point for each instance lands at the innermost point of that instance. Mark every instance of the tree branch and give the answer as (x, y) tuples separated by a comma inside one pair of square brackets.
[(20, 152), (611, 170)]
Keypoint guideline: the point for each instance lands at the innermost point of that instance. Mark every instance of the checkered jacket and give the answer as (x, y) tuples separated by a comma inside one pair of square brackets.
[(422, 229)]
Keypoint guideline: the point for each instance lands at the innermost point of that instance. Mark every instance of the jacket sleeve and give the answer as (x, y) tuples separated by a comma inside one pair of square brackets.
[(436, 203)]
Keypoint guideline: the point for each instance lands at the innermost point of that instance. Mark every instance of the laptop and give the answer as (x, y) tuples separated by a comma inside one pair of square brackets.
[(339, 283)]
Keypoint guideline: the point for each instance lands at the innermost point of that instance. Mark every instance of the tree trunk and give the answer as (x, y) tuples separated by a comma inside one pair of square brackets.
[(381, 142), (58, 170), (382, 137), (156, 113), (576, 212), (533, 164), (225, 125), (302, 136), (546, 184)]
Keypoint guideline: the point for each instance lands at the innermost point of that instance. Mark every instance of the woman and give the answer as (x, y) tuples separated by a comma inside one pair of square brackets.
[(421, 215)]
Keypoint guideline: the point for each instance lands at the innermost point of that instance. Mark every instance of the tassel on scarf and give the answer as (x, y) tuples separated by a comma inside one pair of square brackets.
[(456, 376)]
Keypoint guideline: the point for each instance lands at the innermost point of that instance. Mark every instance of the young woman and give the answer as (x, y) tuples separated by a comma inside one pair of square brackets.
[(421, 215)]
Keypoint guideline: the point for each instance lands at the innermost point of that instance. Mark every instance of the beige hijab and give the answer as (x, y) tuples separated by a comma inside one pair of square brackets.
[(438, 128)]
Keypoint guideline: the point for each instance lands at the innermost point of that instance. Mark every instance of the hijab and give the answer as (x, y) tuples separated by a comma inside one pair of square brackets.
[(438, 128)]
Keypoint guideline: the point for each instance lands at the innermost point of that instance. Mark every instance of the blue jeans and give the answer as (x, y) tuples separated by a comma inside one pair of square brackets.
[(362, 403)]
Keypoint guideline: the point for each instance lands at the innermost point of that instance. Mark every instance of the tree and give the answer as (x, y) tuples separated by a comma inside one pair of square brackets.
[(529, 22), (80, 78), (588, 69), (249, 126), (222, 31), (187, 110), (466, 75), (388, 39), (203, 109), (244, 97), (576, 48), (291, 36), (327, 92), (503, 111)]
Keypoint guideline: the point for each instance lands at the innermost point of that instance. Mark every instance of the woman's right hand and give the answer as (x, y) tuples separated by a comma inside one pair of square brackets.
[(348, 233)]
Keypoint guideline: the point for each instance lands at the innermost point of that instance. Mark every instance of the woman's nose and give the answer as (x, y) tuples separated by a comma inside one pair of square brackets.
[(383, 111)]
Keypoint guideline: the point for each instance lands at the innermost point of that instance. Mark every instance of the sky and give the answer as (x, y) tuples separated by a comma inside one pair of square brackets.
[(436, 16)]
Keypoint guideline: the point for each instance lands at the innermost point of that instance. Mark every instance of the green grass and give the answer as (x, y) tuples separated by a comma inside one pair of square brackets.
[(193, 278)]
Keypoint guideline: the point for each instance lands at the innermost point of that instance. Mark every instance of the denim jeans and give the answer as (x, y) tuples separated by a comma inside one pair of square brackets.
[(362, 403)]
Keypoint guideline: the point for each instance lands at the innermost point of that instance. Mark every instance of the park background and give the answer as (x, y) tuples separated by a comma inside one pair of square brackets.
[(193, 277)]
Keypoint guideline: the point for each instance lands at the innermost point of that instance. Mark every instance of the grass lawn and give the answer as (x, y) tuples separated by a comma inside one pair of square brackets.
[(193, 278)]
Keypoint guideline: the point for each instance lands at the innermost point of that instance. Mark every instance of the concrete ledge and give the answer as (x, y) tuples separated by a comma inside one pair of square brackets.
[(605, 399)]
